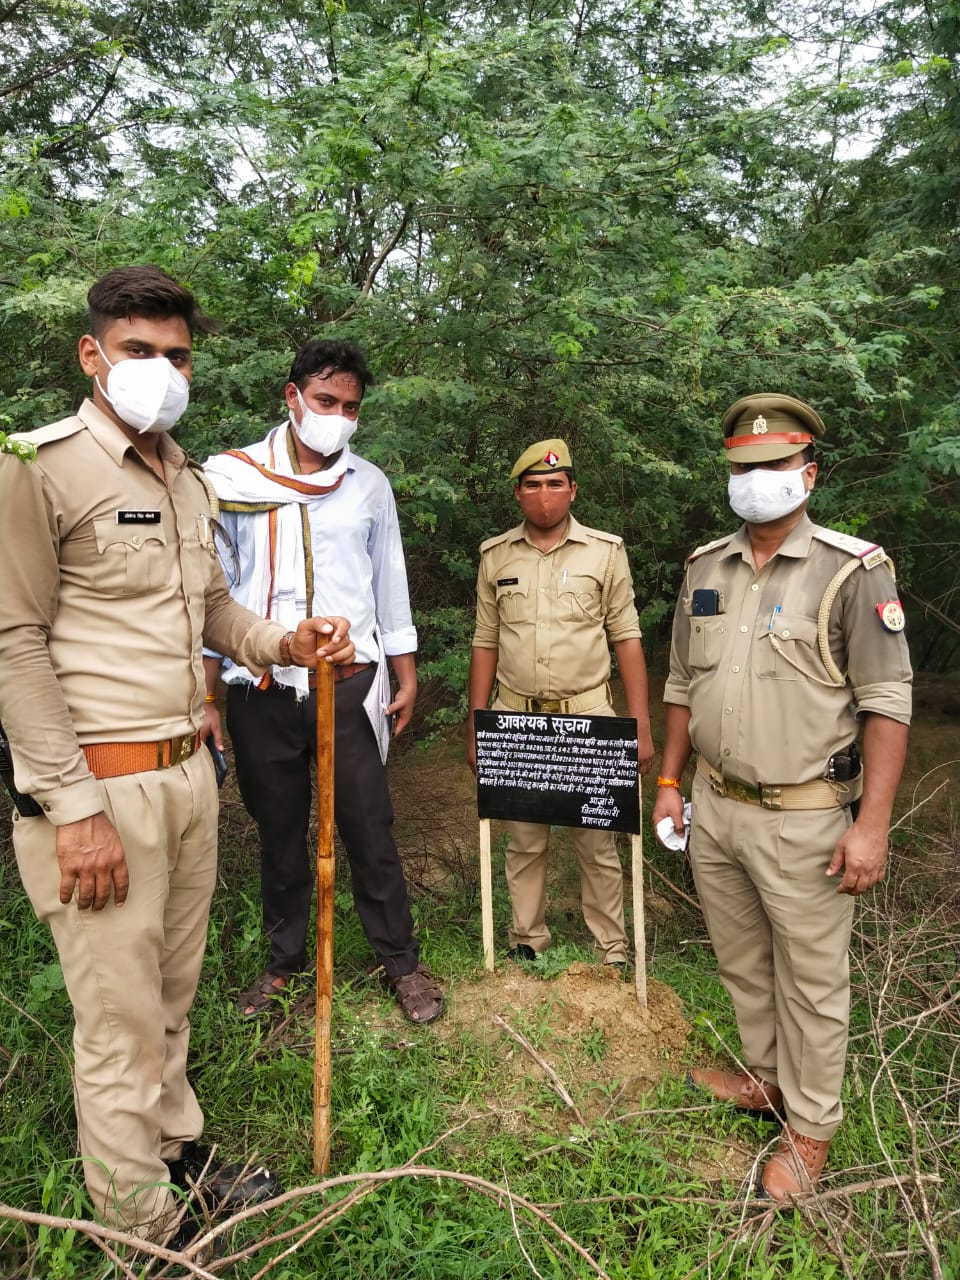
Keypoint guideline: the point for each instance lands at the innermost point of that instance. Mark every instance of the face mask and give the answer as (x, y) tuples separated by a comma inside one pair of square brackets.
[(760, 496), (148, 395), (324, 433)]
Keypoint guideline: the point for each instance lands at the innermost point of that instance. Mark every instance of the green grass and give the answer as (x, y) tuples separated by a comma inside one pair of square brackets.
[(630, 1186)]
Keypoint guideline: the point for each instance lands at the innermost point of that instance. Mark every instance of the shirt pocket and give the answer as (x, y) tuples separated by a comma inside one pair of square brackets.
[(579, 596), (512, 597), (131, 559), (708, 639), (789, 650)]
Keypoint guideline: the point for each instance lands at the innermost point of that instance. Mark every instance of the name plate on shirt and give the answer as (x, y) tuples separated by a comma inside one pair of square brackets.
[(138, 517), (565, 770)]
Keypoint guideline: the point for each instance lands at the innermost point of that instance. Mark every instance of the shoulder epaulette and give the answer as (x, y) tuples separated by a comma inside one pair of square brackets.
[(601, 534), (493, 542), (54, 431), (868, 553), (709, 546)]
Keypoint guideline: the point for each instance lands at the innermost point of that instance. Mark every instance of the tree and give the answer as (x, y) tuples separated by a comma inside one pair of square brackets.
[(592, 220)]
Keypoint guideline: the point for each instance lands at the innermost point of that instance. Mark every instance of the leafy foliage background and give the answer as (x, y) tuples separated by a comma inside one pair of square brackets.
[(604, 221)]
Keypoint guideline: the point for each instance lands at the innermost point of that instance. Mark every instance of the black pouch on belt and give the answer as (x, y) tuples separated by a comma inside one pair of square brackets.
[(844, 765)]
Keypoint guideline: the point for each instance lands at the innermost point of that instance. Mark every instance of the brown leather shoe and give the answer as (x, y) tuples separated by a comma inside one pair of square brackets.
[(795, 1166), (747, 1092)]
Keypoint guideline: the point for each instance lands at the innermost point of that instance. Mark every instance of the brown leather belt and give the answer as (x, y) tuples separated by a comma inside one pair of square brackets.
[(818, 794), (342, 672), (116, 759), (554, 706)]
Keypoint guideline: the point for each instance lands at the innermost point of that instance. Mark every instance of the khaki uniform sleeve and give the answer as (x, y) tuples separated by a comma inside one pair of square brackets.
[(240, 634), (676, 689), (878, 661), (487, 631), (622, 621), (48, 762)]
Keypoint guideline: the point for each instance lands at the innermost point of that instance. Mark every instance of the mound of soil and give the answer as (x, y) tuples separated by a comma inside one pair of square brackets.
[(588, 1023)]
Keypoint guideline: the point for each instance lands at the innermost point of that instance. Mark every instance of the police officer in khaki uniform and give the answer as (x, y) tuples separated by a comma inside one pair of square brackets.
[(788, 646), (552, 596), (109, 582)]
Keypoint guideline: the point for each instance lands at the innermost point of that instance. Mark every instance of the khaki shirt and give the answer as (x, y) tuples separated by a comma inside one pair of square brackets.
[(101, 622), (754, 714), (544, 610)]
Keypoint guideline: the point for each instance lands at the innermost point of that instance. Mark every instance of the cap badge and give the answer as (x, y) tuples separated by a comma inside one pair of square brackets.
[(552, 459), (891, 615), (759, 425)]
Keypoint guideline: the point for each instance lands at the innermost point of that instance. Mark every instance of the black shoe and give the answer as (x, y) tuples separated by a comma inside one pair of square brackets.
[(521, 952), (185, 1234), (223, 1187)]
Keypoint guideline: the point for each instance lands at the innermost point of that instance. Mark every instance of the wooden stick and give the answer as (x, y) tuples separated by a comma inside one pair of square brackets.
[(541, 1062), (639, 924), (486, 893), (326, 870)]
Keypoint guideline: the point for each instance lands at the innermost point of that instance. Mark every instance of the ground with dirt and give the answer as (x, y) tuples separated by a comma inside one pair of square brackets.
[(590, 1015)]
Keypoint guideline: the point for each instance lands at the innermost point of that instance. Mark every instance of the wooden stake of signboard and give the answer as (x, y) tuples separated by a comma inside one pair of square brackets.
[(486, 892)]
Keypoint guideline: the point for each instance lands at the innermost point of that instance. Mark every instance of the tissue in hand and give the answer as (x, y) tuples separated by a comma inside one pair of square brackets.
[(667, 832)]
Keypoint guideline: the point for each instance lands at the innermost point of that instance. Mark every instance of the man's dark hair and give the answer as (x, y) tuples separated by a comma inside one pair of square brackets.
[(146, 291), (329, 355), (809, 454)]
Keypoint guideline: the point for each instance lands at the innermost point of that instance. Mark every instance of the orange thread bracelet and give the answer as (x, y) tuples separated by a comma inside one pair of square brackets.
[(669, 782), (211, 697)]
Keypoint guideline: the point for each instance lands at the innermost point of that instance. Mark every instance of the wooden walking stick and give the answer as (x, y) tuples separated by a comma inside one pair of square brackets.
[(326, 869)]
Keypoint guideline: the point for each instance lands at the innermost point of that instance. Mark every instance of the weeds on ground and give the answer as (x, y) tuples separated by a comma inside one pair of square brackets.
[(446, 1165)]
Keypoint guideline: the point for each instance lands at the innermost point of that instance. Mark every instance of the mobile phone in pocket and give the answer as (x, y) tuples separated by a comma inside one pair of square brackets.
[(706, 602)]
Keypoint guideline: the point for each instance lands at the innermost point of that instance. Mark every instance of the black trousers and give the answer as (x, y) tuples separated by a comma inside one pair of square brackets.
[(274, 743)]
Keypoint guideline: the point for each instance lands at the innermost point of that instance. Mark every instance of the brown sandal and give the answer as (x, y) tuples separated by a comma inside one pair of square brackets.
[(419, 995), (263, 996)]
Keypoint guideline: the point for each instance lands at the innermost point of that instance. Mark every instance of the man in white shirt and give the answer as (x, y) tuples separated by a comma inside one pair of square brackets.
[(310, 522)]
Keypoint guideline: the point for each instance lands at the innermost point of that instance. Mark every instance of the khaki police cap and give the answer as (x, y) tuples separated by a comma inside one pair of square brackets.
[(768, 426), (545, 455)]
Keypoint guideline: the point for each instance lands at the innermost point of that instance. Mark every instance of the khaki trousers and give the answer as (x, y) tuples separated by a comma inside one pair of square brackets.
[(601, 880), (131, 974), (781, 934)]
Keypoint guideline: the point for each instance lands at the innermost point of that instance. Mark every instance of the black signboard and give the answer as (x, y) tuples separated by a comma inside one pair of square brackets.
[(566, 770)]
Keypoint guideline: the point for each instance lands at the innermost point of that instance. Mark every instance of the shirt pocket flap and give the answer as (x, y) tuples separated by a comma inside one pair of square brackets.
[(787, 648), (132, 558), (795, 630), (512, 588), (580, 593), (708, 641), (134, 536)]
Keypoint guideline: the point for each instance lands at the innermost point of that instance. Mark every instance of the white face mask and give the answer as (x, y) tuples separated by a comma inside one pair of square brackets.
[(760, 496), (148, 395), (324, 433)]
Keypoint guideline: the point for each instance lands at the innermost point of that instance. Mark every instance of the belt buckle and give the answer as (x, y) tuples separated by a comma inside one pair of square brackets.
[(771, 797), (742, 791), (175, 751), (550, 705)]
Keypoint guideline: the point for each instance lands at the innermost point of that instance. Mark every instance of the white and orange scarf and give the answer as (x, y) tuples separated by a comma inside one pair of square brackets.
[(261, 481)]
